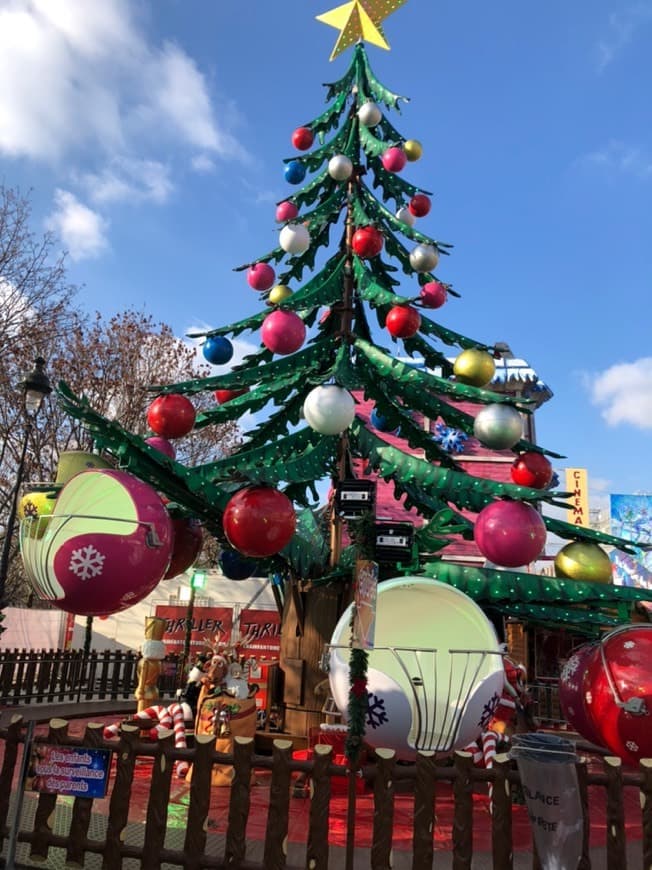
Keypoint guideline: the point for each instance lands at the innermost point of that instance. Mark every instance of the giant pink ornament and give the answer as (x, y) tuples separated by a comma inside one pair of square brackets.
[(510, 533), (571, 692), (261, 276), (283, 332), (162, 445), (107, 545), (286, 211), (394, 159)]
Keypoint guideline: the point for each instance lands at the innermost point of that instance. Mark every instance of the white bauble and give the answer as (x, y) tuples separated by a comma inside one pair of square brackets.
[(369, 114), (498, 426), (294, 239), (340, 167), (405, 216), (329, 409), (424, 258)]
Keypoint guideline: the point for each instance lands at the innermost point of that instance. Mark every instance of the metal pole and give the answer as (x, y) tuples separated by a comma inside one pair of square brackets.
[(11, 519), (186, 641)]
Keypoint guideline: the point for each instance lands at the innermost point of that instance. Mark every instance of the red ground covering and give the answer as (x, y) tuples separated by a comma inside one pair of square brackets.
[(403, 812)]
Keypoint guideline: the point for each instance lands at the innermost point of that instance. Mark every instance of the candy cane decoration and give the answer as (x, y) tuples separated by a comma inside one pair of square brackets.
[(172, 718)]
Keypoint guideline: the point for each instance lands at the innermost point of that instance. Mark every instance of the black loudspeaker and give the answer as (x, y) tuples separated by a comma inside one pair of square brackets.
[(394, 542), (353, 498)]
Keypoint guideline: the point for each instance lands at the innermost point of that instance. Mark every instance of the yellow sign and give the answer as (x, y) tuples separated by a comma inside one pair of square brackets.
[(577, 484)]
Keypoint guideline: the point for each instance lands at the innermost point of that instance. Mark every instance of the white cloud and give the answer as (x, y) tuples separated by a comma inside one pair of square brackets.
[(624, 393), (130, 180), (202, 163), (82, 230), (619, 157), (79, 77), (623, 26)]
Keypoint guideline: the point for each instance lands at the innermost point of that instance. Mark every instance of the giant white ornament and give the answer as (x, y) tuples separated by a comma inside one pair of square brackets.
[(340, 167), (498, 426), (294, 239), (329, 409), (424, 258), (369, 114), (405, 216), (435, 673)]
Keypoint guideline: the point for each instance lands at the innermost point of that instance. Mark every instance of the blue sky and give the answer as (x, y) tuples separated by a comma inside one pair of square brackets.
[(152, 134)]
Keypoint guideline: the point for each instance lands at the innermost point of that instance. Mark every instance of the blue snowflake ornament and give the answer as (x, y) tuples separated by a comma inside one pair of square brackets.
[(449, 439)]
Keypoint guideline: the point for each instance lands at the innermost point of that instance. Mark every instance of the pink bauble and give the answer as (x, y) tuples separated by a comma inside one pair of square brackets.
[(261, 276), (286, 211), (162, 445), (107, 545), (394, 159), (283, 332), (618, 692), (433, 294), (571, 692), (510, 533)]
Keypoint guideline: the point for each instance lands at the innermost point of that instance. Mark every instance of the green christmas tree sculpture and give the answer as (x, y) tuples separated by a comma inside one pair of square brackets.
[(353, 217)]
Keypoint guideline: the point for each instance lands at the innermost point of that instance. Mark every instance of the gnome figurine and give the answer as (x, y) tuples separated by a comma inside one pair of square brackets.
[(150, 666)]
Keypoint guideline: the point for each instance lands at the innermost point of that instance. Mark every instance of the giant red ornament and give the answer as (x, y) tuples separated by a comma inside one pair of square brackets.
[(302, 138), (571, 692), (618, 692), (261, 276), (403, 321), (171, 416), (532, 469), (283, 332), (367, 242), (394, 159), (419, 205), (223, 396), (259, 521), (433, 294), (188, 538), (510, 533)]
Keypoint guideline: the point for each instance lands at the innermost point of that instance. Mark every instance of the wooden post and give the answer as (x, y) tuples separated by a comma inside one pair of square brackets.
[(240, 804), (317, 851), (82, 808), (424, 812), (463, 817), (501, 814), (278, 817), (381, 847), (57, 733), (616, 851), (646, 805)]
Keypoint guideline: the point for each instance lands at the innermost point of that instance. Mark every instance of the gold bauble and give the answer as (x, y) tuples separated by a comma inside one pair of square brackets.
[(412, 149), (278, 294), (474, 367), (32, 507), (583, 560)]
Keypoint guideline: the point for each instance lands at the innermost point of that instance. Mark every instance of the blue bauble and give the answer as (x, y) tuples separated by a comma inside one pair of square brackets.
[(217, 350), (379, 422), (235, 566), (295, 172)]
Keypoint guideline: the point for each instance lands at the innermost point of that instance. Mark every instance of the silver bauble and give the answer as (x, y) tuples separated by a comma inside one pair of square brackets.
[(369, 114), (405, 216), (424, 258), (294, 239), (340, 167), (498, 427), (329, 409)]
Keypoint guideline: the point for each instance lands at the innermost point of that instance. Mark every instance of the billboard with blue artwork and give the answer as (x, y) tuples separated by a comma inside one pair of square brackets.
[(631, 518)]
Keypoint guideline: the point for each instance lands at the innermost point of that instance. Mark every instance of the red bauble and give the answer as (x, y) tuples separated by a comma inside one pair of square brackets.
[(394, 159), (259, 521), (283, 332), (618, 692), (433, 294), (532, 469), (286, 211), (261, 276), (188, 538), (510, 533), (302, 138), (171, 416), (571, 692), (367, 242), (223, 396), (403, 321), (419, 205)]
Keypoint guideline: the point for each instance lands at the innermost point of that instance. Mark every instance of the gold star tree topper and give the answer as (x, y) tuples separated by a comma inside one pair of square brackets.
[(360, 19)]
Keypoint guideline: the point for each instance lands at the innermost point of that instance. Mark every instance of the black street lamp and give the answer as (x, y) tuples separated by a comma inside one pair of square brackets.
[(34, 387)]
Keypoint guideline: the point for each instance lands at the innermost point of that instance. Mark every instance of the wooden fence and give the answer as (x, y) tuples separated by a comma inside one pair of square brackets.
[(385, 776), (51, 676)]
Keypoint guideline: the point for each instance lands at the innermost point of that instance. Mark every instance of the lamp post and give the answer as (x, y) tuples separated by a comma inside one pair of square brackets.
[(34, 387), (197, 581)]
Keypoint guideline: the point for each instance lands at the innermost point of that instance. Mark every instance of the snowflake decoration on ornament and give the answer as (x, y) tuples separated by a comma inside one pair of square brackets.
[(30, 509), (633, 747), (488, 710), (376, 713), (87, 562), (570, 668), (629, 644), (451, 440)]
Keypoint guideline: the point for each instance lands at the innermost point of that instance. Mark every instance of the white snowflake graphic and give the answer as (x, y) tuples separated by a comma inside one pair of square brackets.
[(629, 644), (633, 747), (86, 562), (569, 668)]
